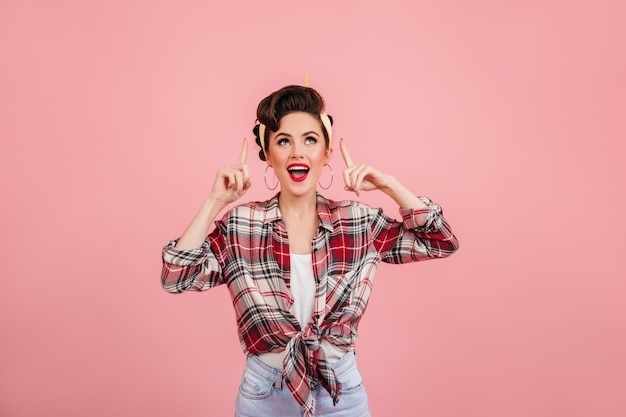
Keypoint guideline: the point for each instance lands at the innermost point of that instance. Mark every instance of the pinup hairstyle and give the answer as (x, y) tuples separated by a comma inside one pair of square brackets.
[(289, 99)]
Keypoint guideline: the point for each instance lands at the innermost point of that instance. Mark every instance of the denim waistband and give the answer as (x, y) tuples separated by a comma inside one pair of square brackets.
[(256, 365)]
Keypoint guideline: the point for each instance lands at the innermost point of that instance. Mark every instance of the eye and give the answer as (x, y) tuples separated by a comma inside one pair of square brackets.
[(311, 140), (282, 141)]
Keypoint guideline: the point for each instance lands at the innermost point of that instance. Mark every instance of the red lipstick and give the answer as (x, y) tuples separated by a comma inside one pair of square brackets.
[(298, 172)]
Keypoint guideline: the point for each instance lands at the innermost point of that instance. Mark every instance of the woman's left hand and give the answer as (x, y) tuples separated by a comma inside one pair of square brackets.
[(361, 177)]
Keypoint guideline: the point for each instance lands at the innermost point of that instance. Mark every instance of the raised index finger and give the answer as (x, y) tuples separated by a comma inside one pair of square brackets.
[(345, 154), (244, 152)]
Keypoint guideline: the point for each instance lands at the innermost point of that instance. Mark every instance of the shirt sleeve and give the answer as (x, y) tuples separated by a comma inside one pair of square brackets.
[(423, 234), (194, 269)]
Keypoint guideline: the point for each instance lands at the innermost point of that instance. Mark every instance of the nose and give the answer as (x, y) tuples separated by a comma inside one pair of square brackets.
[(296, 149)]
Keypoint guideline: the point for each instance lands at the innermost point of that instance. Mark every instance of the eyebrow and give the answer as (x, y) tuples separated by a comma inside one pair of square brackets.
[(304, 134)]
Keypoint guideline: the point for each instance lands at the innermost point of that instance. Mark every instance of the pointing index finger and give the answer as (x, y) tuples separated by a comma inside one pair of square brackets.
[(244, 152), (345, 154)]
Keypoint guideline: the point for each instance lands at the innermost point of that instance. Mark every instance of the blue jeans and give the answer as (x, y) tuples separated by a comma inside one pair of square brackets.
[(263, 392)]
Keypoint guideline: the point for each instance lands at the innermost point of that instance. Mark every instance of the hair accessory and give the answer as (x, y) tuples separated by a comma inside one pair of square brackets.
[(329, 129), (265, 179), (332, 176), (262, 137)]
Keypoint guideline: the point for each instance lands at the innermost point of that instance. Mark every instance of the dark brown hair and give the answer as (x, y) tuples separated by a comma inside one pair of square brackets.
[(289, 99)]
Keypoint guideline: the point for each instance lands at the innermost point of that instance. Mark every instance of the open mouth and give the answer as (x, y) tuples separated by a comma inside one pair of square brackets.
[(298, 172)]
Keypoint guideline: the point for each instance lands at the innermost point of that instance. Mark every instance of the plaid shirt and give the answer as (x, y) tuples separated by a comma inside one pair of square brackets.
[(249, 252)]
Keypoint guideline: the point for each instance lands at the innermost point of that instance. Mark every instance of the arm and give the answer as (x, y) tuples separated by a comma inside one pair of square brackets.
[(367, 178), (196, 269), (423, 233), (402, 196), (230, 183), (193, 261)]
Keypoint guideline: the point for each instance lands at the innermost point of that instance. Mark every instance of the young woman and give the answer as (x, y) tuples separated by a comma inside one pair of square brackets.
[(300, 267)]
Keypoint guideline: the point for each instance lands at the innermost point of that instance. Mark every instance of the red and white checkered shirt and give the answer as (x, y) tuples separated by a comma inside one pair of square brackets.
[(249, 252)]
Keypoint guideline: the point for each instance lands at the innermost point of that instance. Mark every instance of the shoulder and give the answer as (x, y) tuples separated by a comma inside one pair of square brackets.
[(253, 211), (350, 208), (250, 210)]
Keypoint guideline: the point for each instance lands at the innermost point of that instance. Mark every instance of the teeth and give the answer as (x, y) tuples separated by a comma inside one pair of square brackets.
[(298, 169)]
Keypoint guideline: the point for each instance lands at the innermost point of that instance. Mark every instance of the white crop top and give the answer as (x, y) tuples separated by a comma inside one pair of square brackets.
[(302, 288), (303, 293)]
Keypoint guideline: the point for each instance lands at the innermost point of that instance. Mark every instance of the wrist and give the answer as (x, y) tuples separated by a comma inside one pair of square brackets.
[(212, 205), (212, 200), (391, 184), (402, 195)]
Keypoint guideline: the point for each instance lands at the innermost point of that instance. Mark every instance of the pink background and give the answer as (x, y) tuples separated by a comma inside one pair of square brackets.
[(115, 115)]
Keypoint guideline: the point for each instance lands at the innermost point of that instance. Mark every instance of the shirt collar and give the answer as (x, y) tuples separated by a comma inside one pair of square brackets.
[(272, 213), (323, 213)]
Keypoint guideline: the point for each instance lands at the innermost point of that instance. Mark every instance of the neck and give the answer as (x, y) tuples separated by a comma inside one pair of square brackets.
[(291, 205)]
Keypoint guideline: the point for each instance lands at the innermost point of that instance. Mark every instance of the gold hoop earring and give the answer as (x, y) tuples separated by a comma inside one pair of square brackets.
[(265, 179), (332, 177)]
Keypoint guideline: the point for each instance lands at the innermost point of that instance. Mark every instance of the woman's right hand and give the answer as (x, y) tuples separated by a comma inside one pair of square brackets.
[(232, 182)]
